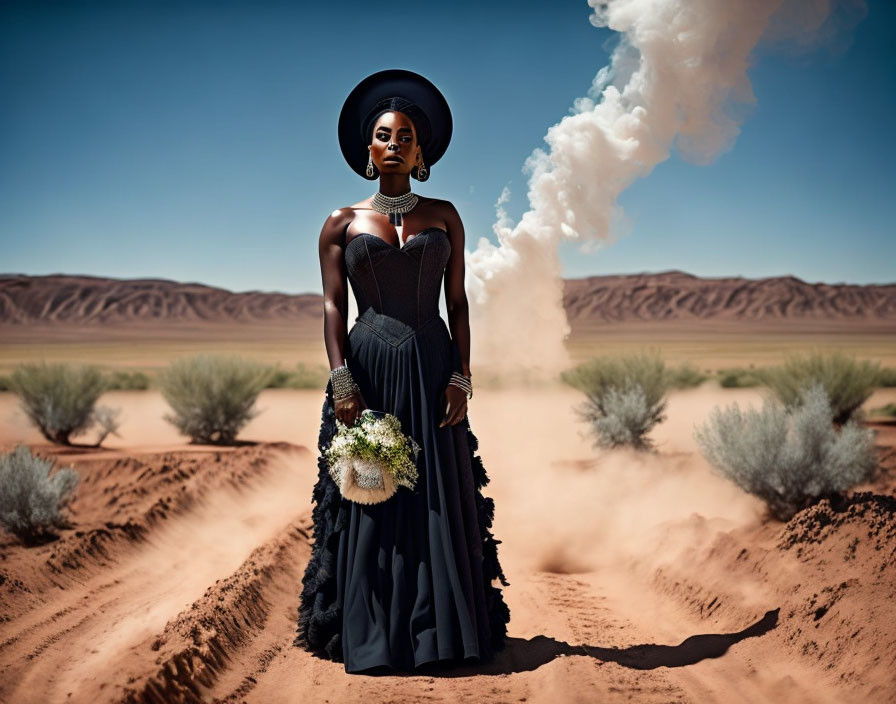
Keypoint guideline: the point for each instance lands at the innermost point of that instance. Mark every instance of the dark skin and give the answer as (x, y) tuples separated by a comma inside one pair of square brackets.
[(393, 135)]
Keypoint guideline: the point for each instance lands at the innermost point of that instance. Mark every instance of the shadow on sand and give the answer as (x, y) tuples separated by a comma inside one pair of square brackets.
[(521, 655)]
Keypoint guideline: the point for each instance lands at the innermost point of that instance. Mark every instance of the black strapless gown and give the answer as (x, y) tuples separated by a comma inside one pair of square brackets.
[(409, 580)]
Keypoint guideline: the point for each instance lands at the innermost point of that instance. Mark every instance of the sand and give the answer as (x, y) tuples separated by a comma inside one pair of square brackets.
[(633, 577)]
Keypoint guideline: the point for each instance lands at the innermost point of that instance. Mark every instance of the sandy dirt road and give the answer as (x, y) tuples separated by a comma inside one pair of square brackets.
[(632, 578)]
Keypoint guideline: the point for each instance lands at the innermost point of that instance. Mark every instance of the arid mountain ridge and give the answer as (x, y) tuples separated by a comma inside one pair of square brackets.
[(591, 301)]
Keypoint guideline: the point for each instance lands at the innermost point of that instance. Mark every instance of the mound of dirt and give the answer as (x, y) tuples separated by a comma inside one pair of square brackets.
[(864, 521), (198, 646), (167, 583), (119, 500), (830, 570)]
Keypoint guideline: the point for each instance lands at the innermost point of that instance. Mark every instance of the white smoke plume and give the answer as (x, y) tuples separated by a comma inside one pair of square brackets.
[(678, 78)]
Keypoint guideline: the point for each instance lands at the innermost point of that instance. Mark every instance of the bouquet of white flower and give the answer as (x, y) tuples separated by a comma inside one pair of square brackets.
[(371, 459)]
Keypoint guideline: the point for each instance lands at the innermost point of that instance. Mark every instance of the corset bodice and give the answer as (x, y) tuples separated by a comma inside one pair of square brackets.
[(398, 282)]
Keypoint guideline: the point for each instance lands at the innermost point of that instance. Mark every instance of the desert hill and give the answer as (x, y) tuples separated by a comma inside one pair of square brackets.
[(771, 301), (84, 300), (59, 301)]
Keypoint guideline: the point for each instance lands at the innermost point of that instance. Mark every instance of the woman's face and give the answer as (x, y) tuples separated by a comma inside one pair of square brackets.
[(394, 145)]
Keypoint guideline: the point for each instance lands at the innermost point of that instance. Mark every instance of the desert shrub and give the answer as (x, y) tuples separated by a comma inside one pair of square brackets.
[(302, 377), (685, 376), (106, 420), (847, 382), (739, 378), (5, 383), (58, 398), (888, 410), (121, 380), (31, 499), (887, 377), (280, 378), (625, 397), (788, 457), (212, 397), (626, 419)]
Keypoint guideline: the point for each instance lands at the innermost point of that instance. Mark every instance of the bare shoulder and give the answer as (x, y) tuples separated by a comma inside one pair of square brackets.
[(333, 230), (437, 204), (444, 210)]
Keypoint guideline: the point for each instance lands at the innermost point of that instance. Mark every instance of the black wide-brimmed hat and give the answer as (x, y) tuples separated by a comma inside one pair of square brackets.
[(394, 89)]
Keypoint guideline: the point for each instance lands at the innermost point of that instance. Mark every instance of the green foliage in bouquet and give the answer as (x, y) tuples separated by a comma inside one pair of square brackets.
[(378, 440)]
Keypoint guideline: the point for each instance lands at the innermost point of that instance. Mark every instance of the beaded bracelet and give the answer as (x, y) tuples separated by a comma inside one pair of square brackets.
[(344, 384), (462, 382)]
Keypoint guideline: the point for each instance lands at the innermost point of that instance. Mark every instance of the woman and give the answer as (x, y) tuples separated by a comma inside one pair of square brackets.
[(407, 581)]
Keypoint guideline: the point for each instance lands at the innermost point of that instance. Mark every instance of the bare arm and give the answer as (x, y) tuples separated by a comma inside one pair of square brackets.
[(454, 398), (455, 292), (331, 248)]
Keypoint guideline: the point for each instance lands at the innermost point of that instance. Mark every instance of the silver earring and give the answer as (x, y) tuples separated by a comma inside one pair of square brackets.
[(422, 172), (369, 171)]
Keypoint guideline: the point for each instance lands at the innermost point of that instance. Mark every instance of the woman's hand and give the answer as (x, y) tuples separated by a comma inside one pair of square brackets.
[(454, 405), (348, 410)]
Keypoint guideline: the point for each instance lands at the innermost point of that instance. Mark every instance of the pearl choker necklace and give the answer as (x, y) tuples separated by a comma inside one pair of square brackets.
[(394, 206)]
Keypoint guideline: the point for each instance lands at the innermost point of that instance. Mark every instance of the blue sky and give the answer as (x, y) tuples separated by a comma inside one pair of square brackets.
[(197, 141)]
